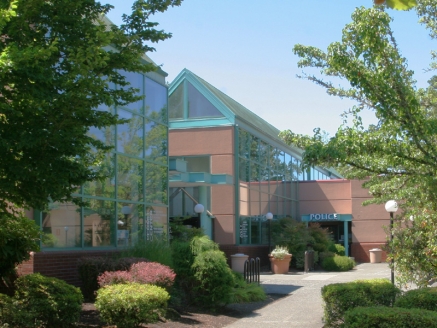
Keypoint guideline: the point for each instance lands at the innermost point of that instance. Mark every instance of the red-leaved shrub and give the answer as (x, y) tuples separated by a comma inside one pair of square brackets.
[(114, 277), (143, 272), (153, 273)]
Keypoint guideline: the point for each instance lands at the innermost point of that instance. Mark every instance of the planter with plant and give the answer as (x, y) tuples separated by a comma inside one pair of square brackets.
[(280, 260)]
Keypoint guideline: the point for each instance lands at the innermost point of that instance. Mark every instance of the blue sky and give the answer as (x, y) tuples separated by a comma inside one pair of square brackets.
[(244, 48)]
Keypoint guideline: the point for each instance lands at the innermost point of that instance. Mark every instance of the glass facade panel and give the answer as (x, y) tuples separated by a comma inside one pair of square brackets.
[(99, 223), (106, 187), (61, 226), (176, 103), (156, 183), (116, 212), (130, 134), (156, 142), (199, 106), (136, 81), (156, 101), (264, 153), (130, 172), (244, 170)]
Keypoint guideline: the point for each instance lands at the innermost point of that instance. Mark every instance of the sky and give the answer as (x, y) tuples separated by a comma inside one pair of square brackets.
[(244, 48)]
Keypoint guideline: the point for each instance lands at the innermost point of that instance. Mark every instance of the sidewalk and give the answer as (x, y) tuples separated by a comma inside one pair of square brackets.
[(303, 307)]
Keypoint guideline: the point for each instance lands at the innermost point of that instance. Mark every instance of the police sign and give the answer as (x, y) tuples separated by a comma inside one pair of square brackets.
[(324, 217)]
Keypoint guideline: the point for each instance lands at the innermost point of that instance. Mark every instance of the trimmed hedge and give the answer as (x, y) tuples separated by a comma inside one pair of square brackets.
[(338, 263), (423, 298), (128, 305), (341, 297), (389, 317)]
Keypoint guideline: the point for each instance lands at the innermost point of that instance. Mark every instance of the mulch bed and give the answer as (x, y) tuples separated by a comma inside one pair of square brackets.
[(188, 317)]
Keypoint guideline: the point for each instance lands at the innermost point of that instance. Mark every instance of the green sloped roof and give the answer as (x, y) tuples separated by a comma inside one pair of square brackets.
[(241, 112)]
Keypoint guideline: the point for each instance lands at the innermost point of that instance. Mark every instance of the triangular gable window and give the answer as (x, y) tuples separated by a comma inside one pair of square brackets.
[(199, 106), (176, 103)]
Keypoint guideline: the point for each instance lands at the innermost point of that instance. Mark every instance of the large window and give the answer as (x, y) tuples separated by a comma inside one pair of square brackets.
[(131, 204)]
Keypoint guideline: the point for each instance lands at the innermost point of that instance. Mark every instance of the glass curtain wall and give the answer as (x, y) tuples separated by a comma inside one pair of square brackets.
[(268, 181), (131, 203)]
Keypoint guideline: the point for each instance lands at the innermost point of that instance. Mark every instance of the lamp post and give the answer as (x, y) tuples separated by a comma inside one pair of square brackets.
[(199, 208), (391, 206), (269, 217)]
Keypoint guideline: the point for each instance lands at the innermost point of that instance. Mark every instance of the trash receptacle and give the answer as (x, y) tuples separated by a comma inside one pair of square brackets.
[(237, 262), (375, 255)]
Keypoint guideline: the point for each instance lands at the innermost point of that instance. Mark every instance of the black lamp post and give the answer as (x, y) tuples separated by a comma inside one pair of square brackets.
[(199, 208), (269, 217), (391, 206)]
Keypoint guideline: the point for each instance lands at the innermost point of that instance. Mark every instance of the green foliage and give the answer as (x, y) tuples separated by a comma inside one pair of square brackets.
[(338, 263), (18, 237), (214, 277), (244, 292), (91, 267), (341, 297), (156, 250), (47, 301), (202, 244), (422, 298), (388, 317), (396, 157), (181, 232), (298, 238), (6, 310), (337, 249), (51, 83), (129, 305)]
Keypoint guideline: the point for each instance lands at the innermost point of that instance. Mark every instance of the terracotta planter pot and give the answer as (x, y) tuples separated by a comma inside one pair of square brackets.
[(280, 266)]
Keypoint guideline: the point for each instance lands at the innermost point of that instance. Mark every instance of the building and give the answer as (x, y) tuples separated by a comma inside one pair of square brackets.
[(131, 204), (205, 149)]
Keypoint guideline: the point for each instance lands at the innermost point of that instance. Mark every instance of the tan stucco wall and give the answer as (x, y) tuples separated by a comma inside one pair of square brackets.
[(224, 229), (325, 196), (204, 141)]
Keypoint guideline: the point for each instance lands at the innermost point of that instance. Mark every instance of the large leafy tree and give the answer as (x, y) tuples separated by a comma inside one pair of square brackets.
[(397, 157), (58, 59)]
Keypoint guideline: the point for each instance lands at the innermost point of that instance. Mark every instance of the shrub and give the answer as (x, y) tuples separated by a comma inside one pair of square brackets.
[(244, 292), (337, 249), (387, 317), (128, 305), (324, 255), (341, 297), (423, 298), (338, 263), (47, 301), (153, 273), (214, 277), (6, 309), (18, 237), (114, 277), (155, 250), (91, 267)]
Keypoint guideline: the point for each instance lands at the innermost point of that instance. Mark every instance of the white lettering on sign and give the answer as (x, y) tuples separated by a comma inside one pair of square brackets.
[(324, 217)]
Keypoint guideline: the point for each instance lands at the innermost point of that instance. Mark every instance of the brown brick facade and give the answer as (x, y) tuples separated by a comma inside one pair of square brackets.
[(360, 251), (59, 264)]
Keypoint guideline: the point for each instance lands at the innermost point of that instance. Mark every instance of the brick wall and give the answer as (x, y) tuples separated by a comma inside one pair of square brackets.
[(360, 251), (253, 252), (59, 264)]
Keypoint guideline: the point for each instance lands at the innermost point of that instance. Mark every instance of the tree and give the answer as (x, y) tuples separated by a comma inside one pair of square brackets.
[(397, 158), (397, 4), (57, 61)]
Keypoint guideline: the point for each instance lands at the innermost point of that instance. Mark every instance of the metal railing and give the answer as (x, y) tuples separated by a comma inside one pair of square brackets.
[(252, 270), (309, 261)]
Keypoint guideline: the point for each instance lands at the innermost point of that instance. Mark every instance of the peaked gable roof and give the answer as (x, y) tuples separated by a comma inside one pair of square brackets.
[(230, 108)]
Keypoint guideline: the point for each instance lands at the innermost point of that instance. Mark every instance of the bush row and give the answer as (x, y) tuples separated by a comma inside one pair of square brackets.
[(378, 303)]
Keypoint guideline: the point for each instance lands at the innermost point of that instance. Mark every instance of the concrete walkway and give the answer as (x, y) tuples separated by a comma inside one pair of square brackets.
[(303, 307)]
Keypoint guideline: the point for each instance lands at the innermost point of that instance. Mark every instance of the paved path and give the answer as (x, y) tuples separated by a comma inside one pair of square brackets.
[(303, 307)]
